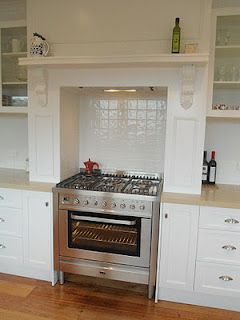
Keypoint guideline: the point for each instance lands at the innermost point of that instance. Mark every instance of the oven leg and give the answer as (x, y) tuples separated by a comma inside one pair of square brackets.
[(61, 277), (151, 290)]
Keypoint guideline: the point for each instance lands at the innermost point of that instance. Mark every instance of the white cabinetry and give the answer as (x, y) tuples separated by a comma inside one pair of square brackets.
[(200, 256), (37, 209), (26, 233), (218, 258), (13, 45), (224, 78), (11, 222), (178, 246)]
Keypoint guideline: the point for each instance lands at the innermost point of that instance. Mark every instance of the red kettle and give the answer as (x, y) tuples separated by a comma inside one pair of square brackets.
[(90, 165)]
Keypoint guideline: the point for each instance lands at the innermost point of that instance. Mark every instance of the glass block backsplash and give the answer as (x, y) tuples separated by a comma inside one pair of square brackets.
[(124, 131)]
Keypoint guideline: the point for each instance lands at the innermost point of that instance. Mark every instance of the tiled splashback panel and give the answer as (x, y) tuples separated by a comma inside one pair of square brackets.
[(123, 132)]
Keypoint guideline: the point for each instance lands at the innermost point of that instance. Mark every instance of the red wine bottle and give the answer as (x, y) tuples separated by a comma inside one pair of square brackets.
[(212, 168), (205, 168)]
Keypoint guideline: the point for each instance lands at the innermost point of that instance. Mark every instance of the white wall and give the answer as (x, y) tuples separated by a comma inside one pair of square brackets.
[(222, 135), (13, 141), (124, 131), (107, 27)]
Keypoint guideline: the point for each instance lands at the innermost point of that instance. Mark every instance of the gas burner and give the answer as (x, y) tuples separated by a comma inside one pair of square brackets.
[(131, 184)]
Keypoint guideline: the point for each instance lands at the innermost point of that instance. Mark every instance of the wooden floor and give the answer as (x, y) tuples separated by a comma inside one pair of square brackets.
[(26, 299)]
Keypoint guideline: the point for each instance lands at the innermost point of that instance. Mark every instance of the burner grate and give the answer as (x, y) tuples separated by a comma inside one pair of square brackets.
[(109, 183)]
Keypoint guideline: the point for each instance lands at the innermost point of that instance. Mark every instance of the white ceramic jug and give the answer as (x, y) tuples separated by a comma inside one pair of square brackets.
[(39, 46)]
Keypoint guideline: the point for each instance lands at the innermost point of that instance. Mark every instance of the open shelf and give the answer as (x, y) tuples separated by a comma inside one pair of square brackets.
[(165, 60), (14, 54), (14, 83), (226, 84), (224, 113)]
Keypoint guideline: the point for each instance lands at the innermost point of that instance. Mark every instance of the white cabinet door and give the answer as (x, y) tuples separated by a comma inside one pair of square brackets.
[(178, 246), (37, 210)]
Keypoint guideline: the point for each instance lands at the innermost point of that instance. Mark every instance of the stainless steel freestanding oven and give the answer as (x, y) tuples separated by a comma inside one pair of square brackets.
[(107, 226)]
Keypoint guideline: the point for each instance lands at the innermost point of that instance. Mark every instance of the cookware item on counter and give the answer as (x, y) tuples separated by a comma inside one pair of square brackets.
[(89, 165)]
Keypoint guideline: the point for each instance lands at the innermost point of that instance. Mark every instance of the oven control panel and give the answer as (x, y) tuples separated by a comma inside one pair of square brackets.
[(94, 204)]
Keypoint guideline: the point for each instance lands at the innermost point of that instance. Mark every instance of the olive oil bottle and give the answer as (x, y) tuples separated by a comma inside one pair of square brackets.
[(176, 37)]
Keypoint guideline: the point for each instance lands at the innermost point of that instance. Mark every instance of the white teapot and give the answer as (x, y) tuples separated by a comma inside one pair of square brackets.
[(39, 46)]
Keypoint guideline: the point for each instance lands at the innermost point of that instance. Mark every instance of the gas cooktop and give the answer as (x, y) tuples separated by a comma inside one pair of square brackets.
[(130, 184)]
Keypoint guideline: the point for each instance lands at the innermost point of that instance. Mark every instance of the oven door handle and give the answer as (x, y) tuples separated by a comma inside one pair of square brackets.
[(103, 220)]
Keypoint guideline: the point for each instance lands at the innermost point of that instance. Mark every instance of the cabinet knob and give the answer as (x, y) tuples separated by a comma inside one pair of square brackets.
[(229, 247), (1, 197), (46, 204), (225, 278), (2, 220), (231, 221), (2, 246), (166, 216)]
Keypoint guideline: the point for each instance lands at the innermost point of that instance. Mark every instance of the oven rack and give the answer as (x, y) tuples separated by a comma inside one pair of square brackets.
[(104, 236), (104, 226)]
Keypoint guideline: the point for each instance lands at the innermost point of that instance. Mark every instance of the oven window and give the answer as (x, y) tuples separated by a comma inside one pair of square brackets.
[(104, 233)]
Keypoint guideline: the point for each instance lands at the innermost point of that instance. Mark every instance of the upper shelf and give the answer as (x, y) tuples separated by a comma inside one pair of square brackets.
[(226, 84), (165, 60), (14, 54)]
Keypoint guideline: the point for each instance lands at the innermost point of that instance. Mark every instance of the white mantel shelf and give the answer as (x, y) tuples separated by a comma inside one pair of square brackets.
[(163, 60)]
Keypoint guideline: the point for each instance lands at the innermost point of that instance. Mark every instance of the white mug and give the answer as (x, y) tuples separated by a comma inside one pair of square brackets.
[(16, 45)]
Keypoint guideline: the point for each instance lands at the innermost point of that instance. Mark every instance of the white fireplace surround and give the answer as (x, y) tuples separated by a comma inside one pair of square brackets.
[(184, 129)]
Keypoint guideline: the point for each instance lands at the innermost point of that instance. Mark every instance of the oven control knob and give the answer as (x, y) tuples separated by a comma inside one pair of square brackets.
[(132, 206), (65, 200), (76, 201), (85, 202), (142, 207), (114, 205), (104, 204), (122, 206), (95, 202)]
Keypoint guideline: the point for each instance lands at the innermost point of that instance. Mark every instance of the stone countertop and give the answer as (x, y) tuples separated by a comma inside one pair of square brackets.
[(219, 195), (19, 179)]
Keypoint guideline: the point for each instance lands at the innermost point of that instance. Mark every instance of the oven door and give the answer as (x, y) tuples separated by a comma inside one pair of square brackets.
[(105, 237)]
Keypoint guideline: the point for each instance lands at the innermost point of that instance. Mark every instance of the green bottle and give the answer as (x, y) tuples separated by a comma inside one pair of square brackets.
[(176, 35)]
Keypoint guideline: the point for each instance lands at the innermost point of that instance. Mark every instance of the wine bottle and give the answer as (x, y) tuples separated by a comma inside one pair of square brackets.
[(212, 168), (205, 168), (176, 35)]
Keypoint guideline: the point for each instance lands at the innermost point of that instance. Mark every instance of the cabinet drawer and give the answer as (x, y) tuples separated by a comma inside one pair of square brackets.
[(11, 250), (220, 218), (217, 279), (10, 198), (11, 222), (219, 246)]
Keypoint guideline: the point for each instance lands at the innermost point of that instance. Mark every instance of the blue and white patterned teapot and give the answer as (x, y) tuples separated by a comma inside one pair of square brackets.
[(39, 46)]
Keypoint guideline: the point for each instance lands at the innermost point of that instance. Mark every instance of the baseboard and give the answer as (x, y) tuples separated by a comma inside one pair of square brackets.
[(27, 272), (200, 299)]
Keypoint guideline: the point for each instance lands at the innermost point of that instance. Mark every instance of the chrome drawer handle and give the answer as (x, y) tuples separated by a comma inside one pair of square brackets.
[(1, 198), (2, 220), (231, 221), (2, 246), (229, 247), (226, 278)]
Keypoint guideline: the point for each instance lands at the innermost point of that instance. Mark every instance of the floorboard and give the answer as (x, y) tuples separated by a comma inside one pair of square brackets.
[(83, 298)]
